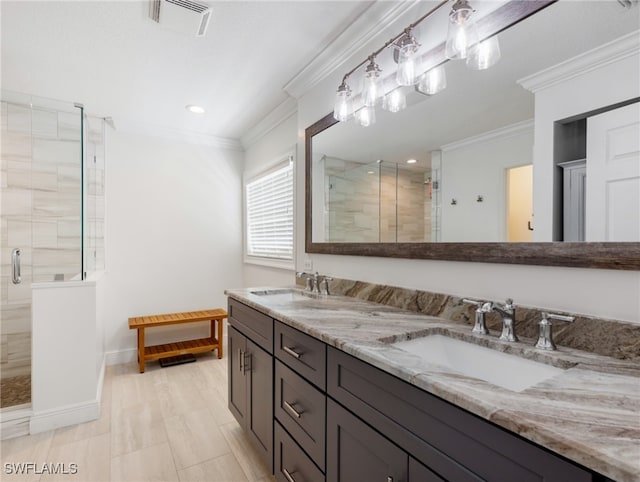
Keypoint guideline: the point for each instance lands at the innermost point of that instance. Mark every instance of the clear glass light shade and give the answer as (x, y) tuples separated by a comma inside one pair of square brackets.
[(484, 54), (394, 101), (366, 116), (462, 34), (371, 88), (407, 48), (433, 81), (343, 108)]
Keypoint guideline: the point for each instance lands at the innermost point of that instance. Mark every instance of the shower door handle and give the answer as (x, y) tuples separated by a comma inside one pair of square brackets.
[(15, 263)]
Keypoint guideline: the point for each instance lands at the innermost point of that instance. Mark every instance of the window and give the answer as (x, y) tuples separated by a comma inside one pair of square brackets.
[(269, 216)]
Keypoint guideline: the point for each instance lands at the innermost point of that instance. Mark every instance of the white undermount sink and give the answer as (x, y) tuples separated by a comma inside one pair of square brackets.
[(507, 371)]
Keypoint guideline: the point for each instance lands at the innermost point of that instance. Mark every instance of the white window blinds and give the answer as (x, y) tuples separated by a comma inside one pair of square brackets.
[(269, 205)]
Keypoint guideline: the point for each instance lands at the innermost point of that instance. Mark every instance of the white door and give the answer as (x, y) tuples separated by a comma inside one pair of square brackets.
[(613, 175)]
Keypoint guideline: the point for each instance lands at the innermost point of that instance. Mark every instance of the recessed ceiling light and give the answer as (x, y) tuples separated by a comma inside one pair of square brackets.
[(411, 161), (196, 109), (370, 172)]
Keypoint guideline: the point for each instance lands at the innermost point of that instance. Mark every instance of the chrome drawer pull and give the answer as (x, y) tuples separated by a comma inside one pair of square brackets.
[(291, 351), (389, 479), (292, 410), (240, 357), (288, 475)]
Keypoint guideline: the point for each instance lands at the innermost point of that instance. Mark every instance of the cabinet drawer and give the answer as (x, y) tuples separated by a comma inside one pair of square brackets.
[(255, 325), (291, 463), (303, 353), (452, 442), (300, 408)]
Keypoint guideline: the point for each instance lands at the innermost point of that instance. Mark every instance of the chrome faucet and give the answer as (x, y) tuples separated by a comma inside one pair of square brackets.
[(483, 307), (315, 285), (508, 312)]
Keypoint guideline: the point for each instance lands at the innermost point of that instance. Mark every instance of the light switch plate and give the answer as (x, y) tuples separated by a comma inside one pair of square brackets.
[(308, 264)]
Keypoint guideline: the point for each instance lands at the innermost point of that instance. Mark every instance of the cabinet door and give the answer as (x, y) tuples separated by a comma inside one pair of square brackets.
[(259, 426), (237, 347), (356, 452), (420, 473)]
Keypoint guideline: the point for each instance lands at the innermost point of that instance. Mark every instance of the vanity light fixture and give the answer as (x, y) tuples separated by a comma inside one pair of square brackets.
[(395, 101), (196, 109), (462, 42), (433, 81), (407, 46), (462, 33), (484, 54), (366, 116), (344, 103), (411, 161), (371, 87)]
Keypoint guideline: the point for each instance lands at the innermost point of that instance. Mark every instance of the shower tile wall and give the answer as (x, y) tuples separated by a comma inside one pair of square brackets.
[(40, 214), (376, 203)]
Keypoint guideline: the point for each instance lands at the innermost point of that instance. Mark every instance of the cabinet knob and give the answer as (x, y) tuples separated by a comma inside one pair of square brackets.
[(389, 479)]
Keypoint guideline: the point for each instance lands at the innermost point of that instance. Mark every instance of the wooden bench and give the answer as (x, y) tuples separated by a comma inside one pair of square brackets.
[(201, 345)]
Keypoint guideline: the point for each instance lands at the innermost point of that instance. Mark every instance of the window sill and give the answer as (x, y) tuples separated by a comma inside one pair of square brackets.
[(271, 263)]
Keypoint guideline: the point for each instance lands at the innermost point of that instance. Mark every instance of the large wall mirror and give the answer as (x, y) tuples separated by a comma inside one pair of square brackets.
[(451, 177)]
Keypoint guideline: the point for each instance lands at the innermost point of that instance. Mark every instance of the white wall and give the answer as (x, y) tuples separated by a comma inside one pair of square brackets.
[(605, 293), (477, 167), (173, 234), (271, 148)]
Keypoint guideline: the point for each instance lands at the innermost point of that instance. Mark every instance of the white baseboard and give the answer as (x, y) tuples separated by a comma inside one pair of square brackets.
[(121, 356), (64, 416), (14, 422)]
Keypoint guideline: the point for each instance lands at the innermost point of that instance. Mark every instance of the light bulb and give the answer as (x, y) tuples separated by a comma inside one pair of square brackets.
[(394, 101), (407, 47), (484, 54), (462, 33), (433, 81), (343, 108), (371, 83), (366, 116)]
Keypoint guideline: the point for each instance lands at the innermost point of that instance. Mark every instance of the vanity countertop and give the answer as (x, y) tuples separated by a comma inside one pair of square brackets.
[(590, 413)]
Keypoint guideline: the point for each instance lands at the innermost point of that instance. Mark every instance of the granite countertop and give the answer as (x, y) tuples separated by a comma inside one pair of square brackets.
[(590, 413)]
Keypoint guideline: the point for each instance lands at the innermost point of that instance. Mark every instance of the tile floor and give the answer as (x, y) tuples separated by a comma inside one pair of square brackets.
[(168, 424)]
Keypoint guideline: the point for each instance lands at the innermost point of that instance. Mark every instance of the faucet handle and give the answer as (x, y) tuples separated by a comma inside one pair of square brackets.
[(309, 279), (482, 308), (324, 285), (545, 331)]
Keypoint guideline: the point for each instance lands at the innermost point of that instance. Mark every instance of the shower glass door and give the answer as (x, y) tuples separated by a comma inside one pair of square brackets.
[(40, 216)]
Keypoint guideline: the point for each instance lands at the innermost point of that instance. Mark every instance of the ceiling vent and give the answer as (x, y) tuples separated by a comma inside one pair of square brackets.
[(181, 15)]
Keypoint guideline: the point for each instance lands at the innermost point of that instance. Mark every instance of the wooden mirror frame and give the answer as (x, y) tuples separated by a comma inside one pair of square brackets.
[(600, 255)]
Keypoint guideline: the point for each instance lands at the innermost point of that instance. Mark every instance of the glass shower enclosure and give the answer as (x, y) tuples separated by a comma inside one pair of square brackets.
[(51, 211)]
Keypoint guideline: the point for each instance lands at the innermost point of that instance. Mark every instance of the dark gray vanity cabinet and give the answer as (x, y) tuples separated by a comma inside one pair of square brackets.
[(356, 452), (316, 414), (250, 347), (300, 406), (446, 440)]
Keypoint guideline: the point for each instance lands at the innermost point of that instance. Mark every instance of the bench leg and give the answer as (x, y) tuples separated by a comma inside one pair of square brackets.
[(220, 338), (141, 349)]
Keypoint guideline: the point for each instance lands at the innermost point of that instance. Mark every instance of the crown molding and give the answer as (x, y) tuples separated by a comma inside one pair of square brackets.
[(363, 30), (614, 51), (273, 119), (501, 133), (181, 135)]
